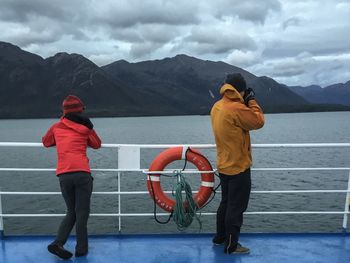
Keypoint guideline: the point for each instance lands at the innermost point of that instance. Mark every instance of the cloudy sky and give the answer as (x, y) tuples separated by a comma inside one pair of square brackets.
[(295, 42)]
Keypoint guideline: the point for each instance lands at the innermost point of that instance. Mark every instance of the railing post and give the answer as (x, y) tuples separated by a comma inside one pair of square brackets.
[(128, 159), (119, 206), (346, 209), (1, 220)]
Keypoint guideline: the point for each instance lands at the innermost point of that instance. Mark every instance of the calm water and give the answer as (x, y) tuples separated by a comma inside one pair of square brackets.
[(279, 128)]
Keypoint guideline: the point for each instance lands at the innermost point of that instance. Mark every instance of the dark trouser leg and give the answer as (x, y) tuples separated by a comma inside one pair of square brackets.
[(68, 193), (239, 187), (82, 209), (221, 213)]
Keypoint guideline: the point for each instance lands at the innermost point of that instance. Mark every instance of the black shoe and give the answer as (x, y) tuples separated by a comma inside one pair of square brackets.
[(217, 240), (59, 251), (80, 254)]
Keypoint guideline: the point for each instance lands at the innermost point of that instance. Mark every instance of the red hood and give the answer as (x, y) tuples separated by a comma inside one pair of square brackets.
[(75, 126)]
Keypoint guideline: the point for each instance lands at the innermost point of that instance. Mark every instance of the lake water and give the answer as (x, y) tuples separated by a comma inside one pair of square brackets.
[(331, 127)]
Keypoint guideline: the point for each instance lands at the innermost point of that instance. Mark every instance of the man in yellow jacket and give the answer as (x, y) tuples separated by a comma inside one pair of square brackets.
[(232, 118)]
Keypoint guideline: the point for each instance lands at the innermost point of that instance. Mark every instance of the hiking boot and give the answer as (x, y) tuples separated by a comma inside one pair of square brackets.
[(217, 240), (59, 251), (241, 250), (238, 251)]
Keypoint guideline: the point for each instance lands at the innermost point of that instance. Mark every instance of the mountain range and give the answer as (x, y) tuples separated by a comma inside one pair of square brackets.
[(333, 94), (34, 87)]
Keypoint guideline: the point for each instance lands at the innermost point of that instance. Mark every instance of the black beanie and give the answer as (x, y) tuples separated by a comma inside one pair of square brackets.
[(237, 81)]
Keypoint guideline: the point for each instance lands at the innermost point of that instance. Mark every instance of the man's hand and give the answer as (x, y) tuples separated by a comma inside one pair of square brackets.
[(249, 94)]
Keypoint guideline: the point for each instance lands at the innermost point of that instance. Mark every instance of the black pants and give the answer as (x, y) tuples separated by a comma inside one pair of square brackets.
[(234, 201), (76, 190)]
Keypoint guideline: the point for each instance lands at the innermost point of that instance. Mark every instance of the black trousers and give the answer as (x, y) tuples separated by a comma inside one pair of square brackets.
[(234, 201), (76, 190)]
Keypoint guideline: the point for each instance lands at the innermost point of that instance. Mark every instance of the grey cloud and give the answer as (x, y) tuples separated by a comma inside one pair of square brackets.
[(317, 43), (292, 66), (45, 21), (24, 10), (158, 34), (121, 13), (79, 35), (216, 41), (243, 59), (131, 21), (25, 40), (251, 10), (330, 73), (127, 34), (293, 48), (143, 50), (130, 13), (288, 71), (38, 32), (206, 48), (337, 67), (293, 21), (305, 70)]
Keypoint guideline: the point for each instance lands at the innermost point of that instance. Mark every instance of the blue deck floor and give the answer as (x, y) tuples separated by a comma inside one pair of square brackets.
[(270, 248)]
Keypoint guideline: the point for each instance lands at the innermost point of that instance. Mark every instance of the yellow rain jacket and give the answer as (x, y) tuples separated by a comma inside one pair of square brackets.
[(231, 122)]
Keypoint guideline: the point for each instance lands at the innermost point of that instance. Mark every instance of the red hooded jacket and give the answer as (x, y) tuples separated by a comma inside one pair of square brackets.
[(71, 140)]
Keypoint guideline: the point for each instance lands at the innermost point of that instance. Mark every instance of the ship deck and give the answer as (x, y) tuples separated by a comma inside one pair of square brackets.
[(185, 248)]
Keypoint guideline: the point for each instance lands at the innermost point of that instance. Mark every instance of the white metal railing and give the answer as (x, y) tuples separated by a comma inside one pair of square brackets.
[(132, 152)]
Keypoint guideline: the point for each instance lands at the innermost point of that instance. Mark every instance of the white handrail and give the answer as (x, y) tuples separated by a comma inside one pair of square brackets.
[(167, 214), (190, 171), (169, 192), (268, 145)]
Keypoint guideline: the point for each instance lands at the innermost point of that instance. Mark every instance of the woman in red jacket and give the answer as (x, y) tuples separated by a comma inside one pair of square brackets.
[(71, 135)]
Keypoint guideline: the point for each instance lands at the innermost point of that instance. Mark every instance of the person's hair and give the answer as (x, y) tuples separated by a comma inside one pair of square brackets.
[(237, 81)]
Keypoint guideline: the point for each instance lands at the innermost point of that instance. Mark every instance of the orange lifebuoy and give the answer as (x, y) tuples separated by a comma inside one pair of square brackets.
[(173, 154)]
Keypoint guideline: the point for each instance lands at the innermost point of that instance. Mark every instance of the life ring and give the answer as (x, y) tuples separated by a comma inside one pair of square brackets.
[(173, 154)]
